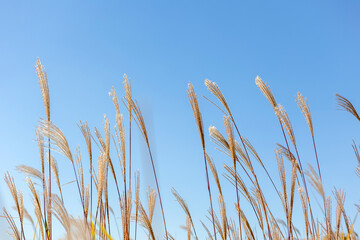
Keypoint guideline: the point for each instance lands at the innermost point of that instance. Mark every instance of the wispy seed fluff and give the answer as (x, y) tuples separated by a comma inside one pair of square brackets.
[(265, 89), (214, 89), (304, 106)]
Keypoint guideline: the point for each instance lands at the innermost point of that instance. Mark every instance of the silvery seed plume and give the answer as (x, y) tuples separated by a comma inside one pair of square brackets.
[(151, 200), (102, 162), (304, 106), (55, 170), (315, 181), (214, 172), (218, 139), (85, 130), (50, 130), (283, 116), (195, 108), (60, 212), (30, 171), (214, 89), (265, 89), (128, 95), (44, 86), (230, 138), (223, 217)]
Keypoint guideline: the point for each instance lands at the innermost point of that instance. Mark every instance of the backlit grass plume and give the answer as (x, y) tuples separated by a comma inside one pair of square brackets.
[(106, 214), (199, 123)]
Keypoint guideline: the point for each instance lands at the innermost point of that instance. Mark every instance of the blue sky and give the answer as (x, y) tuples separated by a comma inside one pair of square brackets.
[(87, 46)]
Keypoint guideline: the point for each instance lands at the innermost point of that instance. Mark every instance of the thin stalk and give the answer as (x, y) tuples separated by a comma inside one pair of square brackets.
[(49, 194), (318, 165), (310, 209), (130, 160), (316, 155), (107, 209), (81, 198), (115, 179), (136, 220), (208, 185), (238, 202), (237, 199), (302, 172), (44, 197), (158, 189), (247, 155), (235, 180), (22, 228), (91, 194), (127, 237)]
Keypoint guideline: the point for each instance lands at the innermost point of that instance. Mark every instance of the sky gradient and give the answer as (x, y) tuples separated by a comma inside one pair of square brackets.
[(86, 47)]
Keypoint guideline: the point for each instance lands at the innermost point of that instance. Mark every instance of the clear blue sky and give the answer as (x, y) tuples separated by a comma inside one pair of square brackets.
[(86, 46)]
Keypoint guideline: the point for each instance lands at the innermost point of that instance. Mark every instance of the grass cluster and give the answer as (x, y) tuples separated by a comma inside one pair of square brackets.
[(92, 184)]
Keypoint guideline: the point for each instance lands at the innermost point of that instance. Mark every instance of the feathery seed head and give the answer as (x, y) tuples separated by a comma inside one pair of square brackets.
[(51, 131), (265, 89), (214, 172), (214, 89), (121, 128), (230, 137), (218, 138), (151, 199), (102, 162), (107, 136), (140, 120), (346, 105), (44, 86), (282, 115), (85, 130), (195, 107), (29, 171), (304, 106), (315, 181), (128, 95), (115, 100)]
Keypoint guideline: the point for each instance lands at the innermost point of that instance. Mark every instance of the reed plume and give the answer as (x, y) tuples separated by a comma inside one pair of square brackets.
[(18, 199), (128, 96), (347, 106), (44, 87), (146, 222), (265, 89), (47, 204), (198, 119), (231, 141)]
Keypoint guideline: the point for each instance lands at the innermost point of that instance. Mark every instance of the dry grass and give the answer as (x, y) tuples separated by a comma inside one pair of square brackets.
[(256, 216)]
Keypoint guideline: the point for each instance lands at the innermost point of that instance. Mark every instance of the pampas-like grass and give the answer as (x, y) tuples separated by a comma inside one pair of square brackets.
[(241, 173)]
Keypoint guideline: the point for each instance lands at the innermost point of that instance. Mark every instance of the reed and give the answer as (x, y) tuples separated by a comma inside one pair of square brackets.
[(242, 166)]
